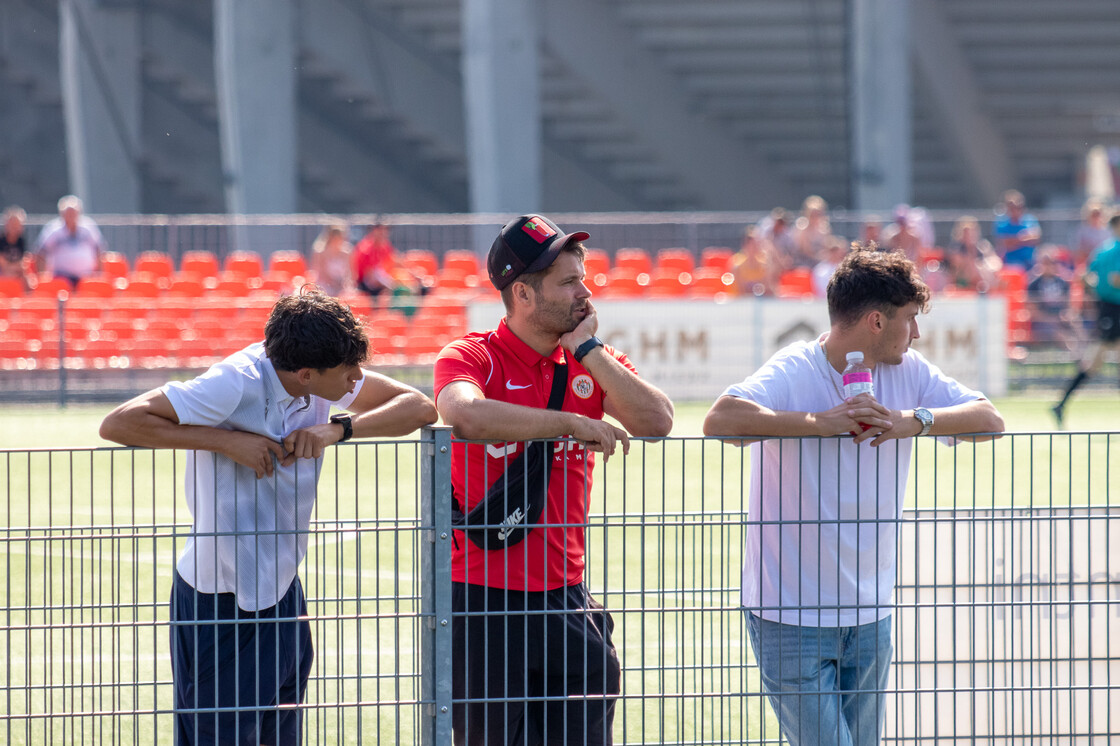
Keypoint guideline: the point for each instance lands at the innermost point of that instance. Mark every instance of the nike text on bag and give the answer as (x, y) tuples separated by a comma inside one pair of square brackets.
[(516, 499)]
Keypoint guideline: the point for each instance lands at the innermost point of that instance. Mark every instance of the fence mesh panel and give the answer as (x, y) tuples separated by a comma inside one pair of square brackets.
[(1004, 626)]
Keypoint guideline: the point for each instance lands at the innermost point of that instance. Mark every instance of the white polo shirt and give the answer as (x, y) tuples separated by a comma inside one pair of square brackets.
[(249, 534)]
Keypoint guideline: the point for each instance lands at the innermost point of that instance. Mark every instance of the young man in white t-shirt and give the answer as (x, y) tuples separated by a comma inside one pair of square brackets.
[(820, 549), (255, 426)]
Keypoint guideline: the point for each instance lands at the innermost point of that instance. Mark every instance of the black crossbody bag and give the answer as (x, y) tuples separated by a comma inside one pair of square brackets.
[(517, 498)]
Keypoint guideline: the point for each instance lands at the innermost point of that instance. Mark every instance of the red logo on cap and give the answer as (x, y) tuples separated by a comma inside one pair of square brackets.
[(538, 229)]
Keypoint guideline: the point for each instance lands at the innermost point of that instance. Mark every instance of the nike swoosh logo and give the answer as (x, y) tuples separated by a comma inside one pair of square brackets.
[(513, 386)]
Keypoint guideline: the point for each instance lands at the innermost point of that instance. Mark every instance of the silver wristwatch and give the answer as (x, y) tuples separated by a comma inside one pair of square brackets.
[(924, 416)]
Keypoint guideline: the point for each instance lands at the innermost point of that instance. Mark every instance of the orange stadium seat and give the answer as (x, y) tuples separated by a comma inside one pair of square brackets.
[(287, 263), (708, 282), (232, 286), (51, 288), (155, 263), (716, 257), (795, 283), (11, 287), (279, 282), (119, 328), (669, 282), (679, 260), (114, 264), (596, 262), (37, 307), (96, 287), (84, 310), (141, 286), (635, 259), (245, 264), (421, 262), (186, 287), (625, 282), (461, 260), (199, 264)]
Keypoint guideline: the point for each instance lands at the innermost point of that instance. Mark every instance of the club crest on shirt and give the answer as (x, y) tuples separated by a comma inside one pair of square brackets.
[(583, 386)]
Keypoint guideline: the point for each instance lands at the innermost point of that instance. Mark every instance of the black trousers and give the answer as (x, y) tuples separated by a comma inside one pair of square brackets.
[(532, 667), (226, 657)]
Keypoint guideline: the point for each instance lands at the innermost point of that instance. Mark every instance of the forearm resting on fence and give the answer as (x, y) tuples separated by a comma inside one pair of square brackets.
[(731, 416), (149, 421), (472, 416)]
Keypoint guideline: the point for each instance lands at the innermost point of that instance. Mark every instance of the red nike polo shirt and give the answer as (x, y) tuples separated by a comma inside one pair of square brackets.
[(506, 369)]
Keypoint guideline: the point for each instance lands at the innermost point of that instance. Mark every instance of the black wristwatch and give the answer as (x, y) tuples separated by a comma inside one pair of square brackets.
[(347, 426), (581, 351)]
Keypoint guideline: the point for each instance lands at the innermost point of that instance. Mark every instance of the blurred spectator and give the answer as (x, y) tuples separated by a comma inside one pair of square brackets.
[(14, 259), (812, 232), (70, 246), (755, 266), (903, 235), (1091, 233), (871, 230), (831, 257), (776, 229), (330, 261), (1048, 300), (1016, 232), (1102, 276), (969, 262), (376, 268)]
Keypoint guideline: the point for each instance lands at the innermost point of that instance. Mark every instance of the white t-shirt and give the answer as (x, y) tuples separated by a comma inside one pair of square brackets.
[(249, 534), (823, 513), (71, 254)]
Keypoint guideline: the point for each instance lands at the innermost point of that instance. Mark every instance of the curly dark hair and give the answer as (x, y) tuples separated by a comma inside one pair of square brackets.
[(313, 330), (869, 279)]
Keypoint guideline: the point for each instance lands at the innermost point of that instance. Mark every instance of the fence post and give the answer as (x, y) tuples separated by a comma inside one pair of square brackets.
[(435, 585), (63, 296)]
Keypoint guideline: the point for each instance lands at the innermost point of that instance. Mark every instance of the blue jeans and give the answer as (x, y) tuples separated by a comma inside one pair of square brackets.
[(826, 684)]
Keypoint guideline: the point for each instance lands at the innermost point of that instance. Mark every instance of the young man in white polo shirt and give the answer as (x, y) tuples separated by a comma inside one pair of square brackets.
[(822, 518), (264, 416)]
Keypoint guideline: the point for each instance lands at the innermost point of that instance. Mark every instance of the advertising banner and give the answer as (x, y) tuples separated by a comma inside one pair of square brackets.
[(693, 349)]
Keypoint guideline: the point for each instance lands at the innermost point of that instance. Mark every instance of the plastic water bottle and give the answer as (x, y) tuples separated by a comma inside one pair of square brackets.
[(857, 377)]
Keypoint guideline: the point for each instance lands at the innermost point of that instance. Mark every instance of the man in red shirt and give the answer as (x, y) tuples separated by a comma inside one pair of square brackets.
[(532, 648)]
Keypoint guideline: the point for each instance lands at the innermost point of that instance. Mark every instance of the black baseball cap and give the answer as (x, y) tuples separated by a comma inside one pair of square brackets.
[(526, 244)]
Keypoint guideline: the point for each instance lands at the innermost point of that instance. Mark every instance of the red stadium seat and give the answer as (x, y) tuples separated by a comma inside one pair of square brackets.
[(114, 264), (679, 260), (141, 286), (96, 287), (155, 263), (596, 262), (421, 262), (716, 257), (288, 264), (244, 264), (708, 282), (635, 259), (186, 287), (795, 283), (11, 287), (51, 288), (669, 283), (465, 262), (198, 264), (624, 282)]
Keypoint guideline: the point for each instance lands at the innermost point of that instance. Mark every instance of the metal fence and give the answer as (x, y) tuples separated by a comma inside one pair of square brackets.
[(1004, 628)]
